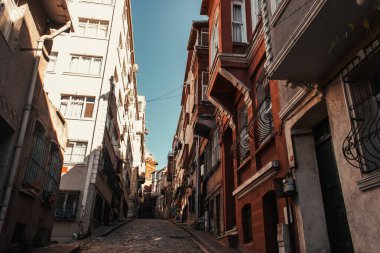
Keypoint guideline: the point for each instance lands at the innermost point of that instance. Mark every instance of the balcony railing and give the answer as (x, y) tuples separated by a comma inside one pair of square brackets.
[(240, 148), (261, 125)]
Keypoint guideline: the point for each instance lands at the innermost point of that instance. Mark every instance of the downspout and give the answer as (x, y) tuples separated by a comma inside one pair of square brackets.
[(24, 121)]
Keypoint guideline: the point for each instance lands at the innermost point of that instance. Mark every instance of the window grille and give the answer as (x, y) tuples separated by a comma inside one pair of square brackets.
[(361, 147), (34, 175), (53, 175), (261, 126), (240, 148), (67, 204)]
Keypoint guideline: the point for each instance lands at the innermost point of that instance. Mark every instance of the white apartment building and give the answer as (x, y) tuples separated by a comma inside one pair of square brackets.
[(91, 78)]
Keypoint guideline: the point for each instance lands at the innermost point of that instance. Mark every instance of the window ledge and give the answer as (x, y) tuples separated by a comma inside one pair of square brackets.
[(369, 181), (75, 164), (81, 74), (30, 192), (89, 37), (261, 176), (91, 2), (83, 119)]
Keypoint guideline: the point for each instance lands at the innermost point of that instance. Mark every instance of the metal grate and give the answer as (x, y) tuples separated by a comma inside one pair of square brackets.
[(361, 146)]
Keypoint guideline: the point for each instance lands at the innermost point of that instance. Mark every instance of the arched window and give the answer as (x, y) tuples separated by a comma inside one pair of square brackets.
[(247, 223)]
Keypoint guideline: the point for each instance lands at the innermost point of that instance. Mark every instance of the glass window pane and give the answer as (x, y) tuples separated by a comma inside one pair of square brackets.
[(84, 65), (89, 110), (95, 66), (74, 63)]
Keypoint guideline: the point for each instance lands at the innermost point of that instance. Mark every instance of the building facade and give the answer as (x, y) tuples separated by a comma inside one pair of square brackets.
[(91, 78), (33, 132), (329, 106)]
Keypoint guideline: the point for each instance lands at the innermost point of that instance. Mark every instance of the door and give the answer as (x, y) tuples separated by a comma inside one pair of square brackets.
[(335, 213), (270, 212)]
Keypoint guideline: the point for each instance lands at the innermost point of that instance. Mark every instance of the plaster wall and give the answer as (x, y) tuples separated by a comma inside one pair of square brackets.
[(361, 206)]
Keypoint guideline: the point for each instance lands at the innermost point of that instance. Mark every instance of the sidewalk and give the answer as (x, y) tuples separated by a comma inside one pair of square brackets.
[(208, 241), (74, 246)]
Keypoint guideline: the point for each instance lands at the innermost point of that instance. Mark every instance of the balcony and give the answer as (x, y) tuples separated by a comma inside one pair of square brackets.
[(324, 33), (56, 10)]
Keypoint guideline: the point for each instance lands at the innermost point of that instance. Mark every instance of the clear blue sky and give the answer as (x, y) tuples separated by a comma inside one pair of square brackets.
[(161, 31)]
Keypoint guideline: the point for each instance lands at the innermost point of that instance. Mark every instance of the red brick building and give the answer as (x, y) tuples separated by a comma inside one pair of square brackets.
[(253, 149), (33, 132)]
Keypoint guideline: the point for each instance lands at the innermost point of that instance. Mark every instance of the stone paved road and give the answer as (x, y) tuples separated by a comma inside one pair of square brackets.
[(143, 235)]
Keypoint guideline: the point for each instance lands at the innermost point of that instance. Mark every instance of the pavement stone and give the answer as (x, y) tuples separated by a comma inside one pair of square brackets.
[(143, 235)]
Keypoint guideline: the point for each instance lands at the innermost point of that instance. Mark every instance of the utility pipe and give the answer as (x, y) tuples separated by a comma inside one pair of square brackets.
[(24, 121)]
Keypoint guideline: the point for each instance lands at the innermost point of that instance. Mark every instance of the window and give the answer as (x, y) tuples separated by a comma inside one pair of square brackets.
[(203, 37), (247, 223), (214, 47), (243, 136), (77, 106), (75, 152), (274, 4), (53, 174), (85, 64), (215, 148), (93, 28), (255, 12), (204, 85), (6, 23), (120, 42), (238, 21), (67, 204), (52, 61), (38, 152), (361, 146)]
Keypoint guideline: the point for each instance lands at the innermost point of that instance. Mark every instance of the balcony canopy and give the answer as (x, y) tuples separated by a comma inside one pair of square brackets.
[(325, 35), (56, 10)]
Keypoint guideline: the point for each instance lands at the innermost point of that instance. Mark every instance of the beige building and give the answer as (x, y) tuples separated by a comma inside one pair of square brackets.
[(91, 78)]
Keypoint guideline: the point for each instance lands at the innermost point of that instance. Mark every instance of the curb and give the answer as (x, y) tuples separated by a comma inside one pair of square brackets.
[(195, 237), (109, 231)]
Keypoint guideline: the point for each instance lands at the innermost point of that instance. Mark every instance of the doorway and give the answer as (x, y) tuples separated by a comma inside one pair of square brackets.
[(270, 212), (335, 212)]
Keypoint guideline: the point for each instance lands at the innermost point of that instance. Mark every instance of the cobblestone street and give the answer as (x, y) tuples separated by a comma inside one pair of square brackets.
[(143, 235)]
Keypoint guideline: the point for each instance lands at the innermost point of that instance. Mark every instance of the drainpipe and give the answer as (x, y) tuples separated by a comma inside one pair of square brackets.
[(24, 121)]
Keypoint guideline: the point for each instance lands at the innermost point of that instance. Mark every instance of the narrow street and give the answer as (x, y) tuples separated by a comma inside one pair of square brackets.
[(143, 235)]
